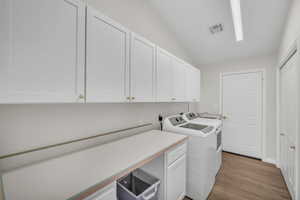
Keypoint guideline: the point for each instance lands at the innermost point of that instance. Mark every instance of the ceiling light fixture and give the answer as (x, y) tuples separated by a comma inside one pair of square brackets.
[(237, 19)]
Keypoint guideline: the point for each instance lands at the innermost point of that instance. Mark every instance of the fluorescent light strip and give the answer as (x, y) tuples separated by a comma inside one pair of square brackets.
[(237, 19)]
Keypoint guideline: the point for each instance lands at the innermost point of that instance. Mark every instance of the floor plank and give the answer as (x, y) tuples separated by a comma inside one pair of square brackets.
[(242, 178)]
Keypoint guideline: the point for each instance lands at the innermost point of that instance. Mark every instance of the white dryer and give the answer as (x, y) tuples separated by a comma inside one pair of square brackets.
[(200, 155), (217, 124)]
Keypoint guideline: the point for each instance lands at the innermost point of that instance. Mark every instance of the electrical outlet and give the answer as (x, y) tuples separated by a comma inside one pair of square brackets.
[(160, 117)]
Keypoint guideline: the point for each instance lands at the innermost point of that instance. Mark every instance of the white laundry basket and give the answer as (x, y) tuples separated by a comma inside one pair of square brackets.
[(138, 185)]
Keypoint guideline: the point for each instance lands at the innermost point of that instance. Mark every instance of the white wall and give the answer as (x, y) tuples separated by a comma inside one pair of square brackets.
[(211, 83), (28, 126), (140, 17), (292, 29)]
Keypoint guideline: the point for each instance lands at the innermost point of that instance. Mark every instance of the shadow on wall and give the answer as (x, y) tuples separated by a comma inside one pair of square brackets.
[(27, 127), (23, 160)]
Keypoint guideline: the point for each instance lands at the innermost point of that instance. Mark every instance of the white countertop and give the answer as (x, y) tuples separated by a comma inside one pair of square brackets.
[(66, 176)]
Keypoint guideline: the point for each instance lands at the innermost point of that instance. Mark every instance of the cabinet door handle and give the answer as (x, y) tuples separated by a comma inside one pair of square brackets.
[(81, 96), (282, 134), (133, 98), (293, 148)]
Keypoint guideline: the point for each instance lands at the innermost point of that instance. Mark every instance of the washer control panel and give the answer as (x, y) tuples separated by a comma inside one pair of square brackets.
[(178, 120), (192, 116)]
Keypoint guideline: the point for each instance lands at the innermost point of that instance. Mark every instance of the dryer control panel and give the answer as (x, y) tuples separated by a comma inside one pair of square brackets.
[(178, 120), (192, 115)]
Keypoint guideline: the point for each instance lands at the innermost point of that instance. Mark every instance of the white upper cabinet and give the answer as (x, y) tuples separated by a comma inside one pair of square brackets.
[(189, 78), (142, 67), (42, 51), (197, 84), (164, 77), (192, 83), (107, 59), (63, 51), (179, 85)]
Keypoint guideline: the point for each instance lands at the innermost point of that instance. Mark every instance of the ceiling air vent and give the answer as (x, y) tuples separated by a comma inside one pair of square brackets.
[(217, 28)]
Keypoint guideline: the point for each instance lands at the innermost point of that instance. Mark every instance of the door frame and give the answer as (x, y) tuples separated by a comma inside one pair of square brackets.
[(264, 89), (291, 51)]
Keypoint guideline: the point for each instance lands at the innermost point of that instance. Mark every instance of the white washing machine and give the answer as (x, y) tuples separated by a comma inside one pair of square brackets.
[(200, 155), (217, 124)]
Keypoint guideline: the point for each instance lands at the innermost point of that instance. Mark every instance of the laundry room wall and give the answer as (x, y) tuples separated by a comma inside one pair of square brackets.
[(292, 29), (24, 127), (140, 17), (211, 88)]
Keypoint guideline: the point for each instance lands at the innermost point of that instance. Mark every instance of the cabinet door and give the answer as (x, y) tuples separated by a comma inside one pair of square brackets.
[(107, 59), (196, 84), (192, 84), (42, 51), (176, 179), (164, 78), (178, 80), (107, 193), (189, 82), (142, 66)]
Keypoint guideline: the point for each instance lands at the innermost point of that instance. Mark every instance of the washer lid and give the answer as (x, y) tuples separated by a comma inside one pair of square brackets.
[(199, 127), (210, 122)]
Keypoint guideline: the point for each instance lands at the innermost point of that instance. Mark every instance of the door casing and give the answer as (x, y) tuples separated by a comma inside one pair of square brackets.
[(263, 131)]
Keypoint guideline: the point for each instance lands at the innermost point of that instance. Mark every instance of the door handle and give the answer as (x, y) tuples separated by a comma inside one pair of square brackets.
[(282, 134)]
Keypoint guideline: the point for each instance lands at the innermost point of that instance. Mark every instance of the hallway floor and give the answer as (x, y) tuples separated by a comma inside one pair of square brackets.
[(242, 178)]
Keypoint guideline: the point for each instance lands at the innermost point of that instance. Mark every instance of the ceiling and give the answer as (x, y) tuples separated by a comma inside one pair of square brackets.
[(263, 24)]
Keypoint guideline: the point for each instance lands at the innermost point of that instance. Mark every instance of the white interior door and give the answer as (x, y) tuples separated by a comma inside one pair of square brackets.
[(107, 59), (242, 101), (288, 122)]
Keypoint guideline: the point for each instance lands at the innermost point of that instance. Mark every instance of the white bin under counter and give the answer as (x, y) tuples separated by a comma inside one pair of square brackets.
[(92, 169)]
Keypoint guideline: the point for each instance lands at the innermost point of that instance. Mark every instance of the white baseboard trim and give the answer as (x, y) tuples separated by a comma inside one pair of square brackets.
[(270, 160)]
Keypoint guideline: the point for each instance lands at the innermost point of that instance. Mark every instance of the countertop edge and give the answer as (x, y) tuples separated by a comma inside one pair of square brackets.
[(113, 178)]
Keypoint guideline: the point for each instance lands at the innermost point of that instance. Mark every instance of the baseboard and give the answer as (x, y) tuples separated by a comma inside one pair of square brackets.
[(270, 160), (241, 155)]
